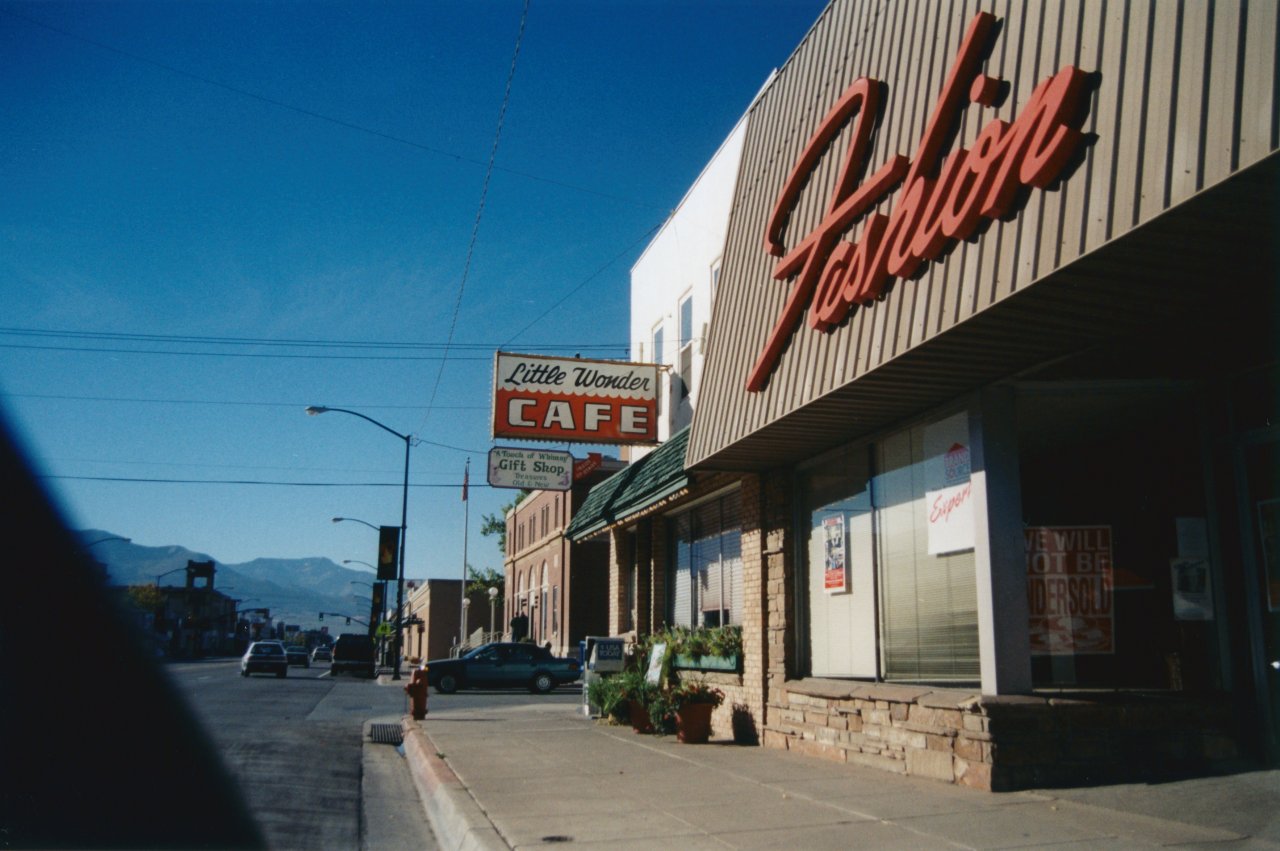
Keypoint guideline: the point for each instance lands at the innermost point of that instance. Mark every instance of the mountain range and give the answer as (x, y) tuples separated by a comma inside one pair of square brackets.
[(294, 590)]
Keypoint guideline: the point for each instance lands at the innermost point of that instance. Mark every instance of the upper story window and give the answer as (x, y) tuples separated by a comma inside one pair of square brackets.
[(686, 345)]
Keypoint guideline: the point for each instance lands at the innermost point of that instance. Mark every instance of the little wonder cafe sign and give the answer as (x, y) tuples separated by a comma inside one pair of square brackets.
[(571, 399)]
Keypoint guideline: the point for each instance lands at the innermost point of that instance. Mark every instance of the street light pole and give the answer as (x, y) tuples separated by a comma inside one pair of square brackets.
[(314, 410)]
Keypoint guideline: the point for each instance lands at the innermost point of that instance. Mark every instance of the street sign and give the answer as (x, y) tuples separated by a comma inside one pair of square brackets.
[(530, 469)]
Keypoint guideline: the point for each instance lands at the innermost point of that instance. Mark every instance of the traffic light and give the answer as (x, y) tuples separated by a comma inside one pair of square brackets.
[(388, 546)]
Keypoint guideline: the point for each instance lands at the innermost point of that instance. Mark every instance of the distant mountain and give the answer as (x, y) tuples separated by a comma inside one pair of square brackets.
[(295, 590)]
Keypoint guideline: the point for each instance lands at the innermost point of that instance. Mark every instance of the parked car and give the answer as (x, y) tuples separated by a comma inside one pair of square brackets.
[(503, 665), (322, 654), (353, 652), (264, 657), (297, 655)]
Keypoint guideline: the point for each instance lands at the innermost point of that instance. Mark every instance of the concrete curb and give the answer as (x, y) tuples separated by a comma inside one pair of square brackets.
[(458, 821)]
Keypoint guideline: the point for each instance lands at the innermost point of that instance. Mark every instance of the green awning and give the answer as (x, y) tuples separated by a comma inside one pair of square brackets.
[(654, 477)]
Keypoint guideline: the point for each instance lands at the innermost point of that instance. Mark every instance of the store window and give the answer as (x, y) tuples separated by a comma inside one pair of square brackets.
[(1123, 585), (890, 580), (706, 564)]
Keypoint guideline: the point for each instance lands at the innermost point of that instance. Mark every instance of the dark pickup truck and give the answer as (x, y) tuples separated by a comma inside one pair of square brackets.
[(353, 653)]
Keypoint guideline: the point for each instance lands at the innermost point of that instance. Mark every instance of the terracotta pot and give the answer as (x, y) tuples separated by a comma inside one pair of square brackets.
[(693, 723), (640, 718)]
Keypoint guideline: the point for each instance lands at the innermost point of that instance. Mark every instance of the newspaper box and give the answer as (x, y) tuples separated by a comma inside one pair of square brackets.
[(601, 656)]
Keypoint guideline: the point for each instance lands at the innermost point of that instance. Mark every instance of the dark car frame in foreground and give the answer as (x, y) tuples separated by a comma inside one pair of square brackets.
[(503, 665)]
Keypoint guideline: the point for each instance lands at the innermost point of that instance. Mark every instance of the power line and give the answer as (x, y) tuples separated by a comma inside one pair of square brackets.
[(228, 403), (475, 227), (264, 341), (139, 480)]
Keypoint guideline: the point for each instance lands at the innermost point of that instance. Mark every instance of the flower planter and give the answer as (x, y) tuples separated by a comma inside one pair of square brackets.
[(706, 663), (640, 717), (693, 723)]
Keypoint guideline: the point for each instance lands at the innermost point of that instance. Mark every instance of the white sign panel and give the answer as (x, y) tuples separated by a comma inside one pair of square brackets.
[(949, 492), (571, 399), (530, 469)]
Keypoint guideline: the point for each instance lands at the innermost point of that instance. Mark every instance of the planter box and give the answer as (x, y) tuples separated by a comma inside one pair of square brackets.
[(706, 663)]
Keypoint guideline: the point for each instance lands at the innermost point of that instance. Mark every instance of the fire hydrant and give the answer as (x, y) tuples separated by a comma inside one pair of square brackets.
[(417, 691)]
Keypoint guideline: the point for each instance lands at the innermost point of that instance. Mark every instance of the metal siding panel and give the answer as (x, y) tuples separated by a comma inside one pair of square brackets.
[(1258, 102), (1030, 216), (1132, 136), (1108, 100), (1018, 72), (1222, 123), (1050, 226), (1163, 85), (1077, 190), (1188, 125)]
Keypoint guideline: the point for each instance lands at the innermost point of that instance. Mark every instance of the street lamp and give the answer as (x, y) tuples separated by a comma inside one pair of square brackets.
[(357, 561), (160, 576), (105, 540), (315, 410), (357, 520), (493, 598)]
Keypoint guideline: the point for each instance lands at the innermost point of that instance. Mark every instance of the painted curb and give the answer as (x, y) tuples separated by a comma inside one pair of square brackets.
[(456, 818)]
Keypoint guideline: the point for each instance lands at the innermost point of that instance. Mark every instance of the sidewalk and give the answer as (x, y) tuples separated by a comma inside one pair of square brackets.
[(532, 776)]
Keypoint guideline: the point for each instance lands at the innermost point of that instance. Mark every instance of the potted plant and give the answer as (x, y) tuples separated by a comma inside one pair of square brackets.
[(634, 696), (693, 704), (610, 695), (715, 648)]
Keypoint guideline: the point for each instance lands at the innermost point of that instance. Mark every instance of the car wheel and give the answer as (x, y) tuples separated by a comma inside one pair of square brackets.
[(542, 682), (244, 673), (447, 684)]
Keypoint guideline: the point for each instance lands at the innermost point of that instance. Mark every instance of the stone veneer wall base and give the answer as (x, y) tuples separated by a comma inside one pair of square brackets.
[(1004, 743)]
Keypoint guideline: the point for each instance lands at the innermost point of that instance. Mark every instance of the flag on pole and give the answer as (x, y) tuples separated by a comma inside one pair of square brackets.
[(466, 474)]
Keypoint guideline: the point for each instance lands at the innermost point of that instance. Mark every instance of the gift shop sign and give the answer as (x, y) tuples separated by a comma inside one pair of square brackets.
[(530, 469), (566, 399), (940, 200), (1070, 590)]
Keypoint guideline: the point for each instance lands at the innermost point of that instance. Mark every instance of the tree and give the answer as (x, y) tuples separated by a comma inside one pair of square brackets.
[(146, 598), (482, 579), (496, 524)]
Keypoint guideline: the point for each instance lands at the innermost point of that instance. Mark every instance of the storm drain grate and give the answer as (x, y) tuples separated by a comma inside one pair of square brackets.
[(386, 734)]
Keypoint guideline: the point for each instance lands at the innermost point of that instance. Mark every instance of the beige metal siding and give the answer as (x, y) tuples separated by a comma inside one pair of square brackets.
[(1185, 97)]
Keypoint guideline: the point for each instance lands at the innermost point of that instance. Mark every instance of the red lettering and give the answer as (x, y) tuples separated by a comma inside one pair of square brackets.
[(832, 275)]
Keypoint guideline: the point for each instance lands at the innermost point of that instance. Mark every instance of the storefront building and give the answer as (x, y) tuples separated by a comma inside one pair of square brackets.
[(993, 358), (555, 587)]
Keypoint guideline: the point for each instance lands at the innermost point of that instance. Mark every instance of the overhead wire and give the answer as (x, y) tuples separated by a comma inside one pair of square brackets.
[(475, 227), (311, 113)]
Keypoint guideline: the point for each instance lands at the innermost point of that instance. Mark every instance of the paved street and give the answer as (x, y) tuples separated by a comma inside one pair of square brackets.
[(296, 747)]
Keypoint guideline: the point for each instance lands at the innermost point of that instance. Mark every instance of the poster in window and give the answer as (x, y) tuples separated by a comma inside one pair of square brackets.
[(835, 578), (948, 489), (1070, 590), (1192, 591), (1269, 533)]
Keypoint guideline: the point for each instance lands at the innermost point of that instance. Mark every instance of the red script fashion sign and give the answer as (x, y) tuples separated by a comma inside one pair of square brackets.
[(935, 204)]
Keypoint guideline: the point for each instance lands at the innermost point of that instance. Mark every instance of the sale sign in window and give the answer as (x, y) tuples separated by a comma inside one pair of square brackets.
[(1070, 590)]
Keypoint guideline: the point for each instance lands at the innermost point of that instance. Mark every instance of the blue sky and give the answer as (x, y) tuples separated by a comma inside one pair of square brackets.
[(180, 178)]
